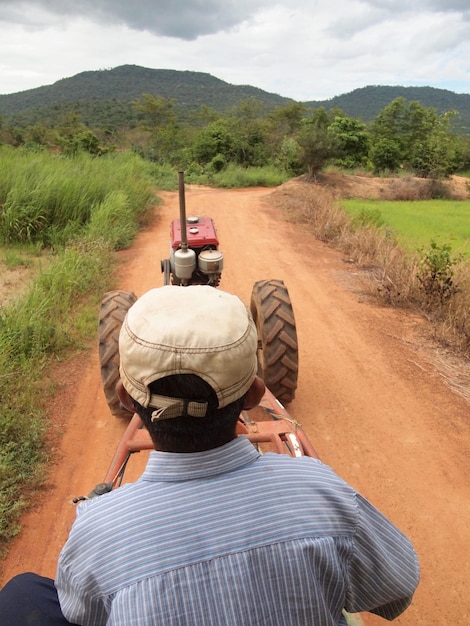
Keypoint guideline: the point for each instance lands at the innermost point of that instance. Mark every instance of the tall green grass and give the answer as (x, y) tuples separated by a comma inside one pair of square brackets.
[(88, 207), (237, 177), (49, 198), (417, 223), (232, 176)]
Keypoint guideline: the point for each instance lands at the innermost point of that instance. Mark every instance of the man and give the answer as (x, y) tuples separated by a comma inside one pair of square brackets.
[(213, 532)]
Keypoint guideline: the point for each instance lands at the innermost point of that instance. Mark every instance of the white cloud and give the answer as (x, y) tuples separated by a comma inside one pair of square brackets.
[(303, 49)]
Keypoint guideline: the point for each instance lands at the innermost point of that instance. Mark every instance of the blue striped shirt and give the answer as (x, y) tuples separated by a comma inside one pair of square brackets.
[(229, 537)]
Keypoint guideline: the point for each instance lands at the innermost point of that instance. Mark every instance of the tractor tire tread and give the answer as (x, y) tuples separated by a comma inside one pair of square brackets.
[(272, 312), (114, 307)]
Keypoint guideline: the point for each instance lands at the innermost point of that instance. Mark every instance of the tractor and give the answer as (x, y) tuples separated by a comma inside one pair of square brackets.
[(195, 258)]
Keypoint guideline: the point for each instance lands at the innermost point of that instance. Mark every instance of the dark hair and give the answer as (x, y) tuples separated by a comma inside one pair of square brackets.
[(191, 434)]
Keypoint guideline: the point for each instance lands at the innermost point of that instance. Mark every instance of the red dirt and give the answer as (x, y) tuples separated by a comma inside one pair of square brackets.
[(370, 397), (392, 188)]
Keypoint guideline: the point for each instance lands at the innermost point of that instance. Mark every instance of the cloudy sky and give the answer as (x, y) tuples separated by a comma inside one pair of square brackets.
[(301, 49)]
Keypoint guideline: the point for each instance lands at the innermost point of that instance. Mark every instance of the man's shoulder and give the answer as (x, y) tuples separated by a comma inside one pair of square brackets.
[(295, 464), (303, 470), (106, 500)]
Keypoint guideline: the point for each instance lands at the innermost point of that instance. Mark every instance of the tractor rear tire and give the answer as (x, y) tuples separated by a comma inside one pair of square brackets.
[(278, 361), (114, 307)]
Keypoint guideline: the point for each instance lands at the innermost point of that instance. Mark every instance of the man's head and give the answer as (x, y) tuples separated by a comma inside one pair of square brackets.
[(188, 357)]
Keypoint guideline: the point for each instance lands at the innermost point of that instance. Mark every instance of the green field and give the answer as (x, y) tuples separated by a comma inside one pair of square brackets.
[(417, 223)]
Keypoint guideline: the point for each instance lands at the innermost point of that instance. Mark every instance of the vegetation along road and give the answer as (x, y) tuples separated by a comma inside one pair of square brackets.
[(370, 396)]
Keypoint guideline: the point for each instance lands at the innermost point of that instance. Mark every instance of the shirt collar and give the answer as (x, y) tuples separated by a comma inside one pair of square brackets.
[(174, 466)]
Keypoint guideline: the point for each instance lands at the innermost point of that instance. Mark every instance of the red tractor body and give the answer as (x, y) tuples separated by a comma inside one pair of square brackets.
[(195, 258), (200, 233)]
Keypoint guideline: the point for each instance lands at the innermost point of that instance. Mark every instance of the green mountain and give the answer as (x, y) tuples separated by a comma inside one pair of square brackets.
[(97, 95), (103, 98), (365, 103)]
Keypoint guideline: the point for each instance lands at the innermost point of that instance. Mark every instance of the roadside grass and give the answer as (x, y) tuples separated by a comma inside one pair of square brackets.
[(18, 262), (34, 330), (416, 223), (19, 257), (231, 176), (55, 316), (49, 198), (236, 177), (164, 177), (429, 278)]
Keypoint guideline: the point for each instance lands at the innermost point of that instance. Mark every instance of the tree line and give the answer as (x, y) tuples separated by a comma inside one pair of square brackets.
[(294, 138)]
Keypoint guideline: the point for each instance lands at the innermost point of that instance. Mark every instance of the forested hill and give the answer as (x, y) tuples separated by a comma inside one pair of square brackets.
[(128, 82), (365, 103), (103, 97)]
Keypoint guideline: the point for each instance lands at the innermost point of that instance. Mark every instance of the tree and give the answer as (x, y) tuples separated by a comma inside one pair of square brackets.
[(248, 123), (83, 141), (156, 111), (237, 140), (289, 156), (73, 136), (388, 134), (417, 138), (217, 138), (69, 124), (351, 141), (385, 155), (437, 153), (159, 119), (281, 127), (203, 116), (249, 110), (464, 153), (39, 135), (318, 146), (287, 120)]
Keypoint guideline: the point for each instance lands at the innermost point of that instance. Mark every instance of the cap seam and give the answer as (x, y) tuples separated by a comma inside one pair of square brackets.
[(184, 348)]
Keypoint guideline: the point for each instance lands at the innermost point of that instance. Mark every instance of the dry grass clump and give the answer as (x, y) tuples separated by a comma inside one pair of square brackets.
[(394, 276), (455, 322), (391, 274), (314, 206), (411, 188), (373, 249)]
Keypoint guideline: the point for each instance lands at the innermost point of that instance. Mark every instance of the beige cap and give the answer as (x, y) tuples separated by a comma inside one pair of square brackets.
[(187, 330)]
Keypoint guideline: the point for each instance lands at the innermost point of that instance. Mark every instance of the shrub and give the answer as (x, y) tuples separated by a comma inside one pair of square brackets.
[(436, 274)]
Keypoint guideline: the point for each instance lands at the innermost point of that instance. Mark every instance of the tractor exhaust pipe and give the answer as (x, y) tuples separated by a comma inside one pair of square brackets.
[(184, 234), (185, 258)]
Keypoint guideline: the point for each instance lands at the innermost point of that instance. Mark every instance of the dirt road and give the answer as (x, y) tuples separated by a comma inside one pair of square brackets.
[(369, 397)]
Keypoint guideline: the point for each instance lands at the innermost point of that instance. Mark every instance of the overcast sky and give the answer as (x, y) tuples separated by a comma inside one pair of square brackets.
[(301, 49)]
